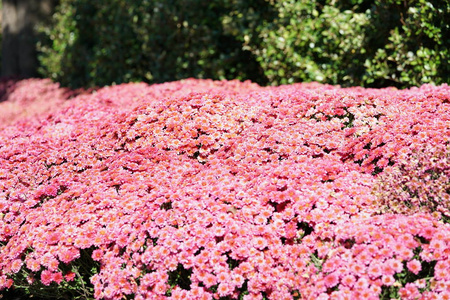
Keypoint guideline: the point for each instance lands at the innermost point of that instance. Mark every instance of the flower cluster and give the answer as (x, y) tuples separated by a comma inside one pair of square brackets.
[(200, 189), (25, 99), (419, 182)]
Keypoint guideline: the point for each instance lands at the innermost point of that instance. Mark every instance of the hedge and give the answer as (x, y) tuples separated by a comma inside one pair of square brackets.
[(354, 42), (103, 42), (357, 42)]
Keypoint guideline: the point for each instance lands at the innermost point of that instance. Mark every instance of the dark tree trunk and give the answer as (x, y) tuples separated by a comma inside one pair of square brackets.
[(19, 20)]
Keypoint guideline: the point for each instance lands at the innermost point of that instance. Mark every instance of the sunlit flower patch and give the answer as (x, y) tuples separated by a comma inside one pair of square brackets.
[(226, 190)]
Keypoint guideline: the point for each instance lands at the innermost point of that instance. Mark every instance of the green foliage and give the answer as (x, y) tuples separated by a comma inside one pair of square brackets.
[(103, 42), (309, 41), (180, 277), (347, 42), (78, 288), (416, 50), (354, 42)]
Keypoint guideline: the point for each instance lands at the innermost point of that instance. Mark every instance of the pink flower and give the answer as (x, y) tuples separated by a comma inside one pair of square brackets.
[(361, 284), (410, 291), (223, 277), (387, 269), (358, 268), (16, 265), (69, 255), (224, 289), (348, 280), (160, 288), (69, 276), (395, 265), (210, 280), (331, 280), (53, 238), (33, 264), (31, 279), (219, 231), (414, 266), (323, 296), (253, 296), (406, 254), (238, 280), (428, 232), (8, 283), (245, 267), (445, 295), (3, 279), (46, 277), (260, 220), (50, 190), (437, 245), (387, 280), (374, 270), (57, 277), (421, 283), (259, 243), (97, 254)]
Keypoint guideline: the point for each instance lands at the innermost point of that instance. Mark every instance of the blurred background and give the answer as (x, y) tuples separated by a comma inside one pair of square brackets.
[(370, 43)]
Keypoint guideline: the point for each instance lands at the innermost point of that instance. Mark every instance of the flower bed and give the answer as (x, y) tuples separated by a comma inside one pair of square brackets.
[(226, 190)]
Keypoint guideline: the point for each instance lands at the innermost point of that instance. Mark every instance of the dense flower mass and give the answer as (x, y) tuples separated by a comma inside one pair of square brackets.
[(201, 189), (28, 98)]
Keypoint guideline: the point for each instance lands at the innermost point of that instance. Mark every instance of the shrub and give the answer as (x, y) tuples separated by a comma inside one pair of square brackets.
[(359, 42), (371, 43), (202, 189), (96, 43), (311, 42), (415, 50)]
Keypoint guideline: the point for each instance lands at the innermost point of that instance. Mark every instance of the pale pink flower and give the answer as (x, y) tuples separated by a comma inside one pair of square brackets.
[(224, 289), (374, 270), (259, 243), (209, 280), (16, 265), (331, 280), (395, 265), (348, 280), (414, 266), (160, 288)]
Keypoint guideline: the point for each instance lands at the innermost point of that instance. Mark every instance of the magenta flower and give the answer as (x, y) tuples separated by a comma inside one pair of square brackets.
[(46, 277)]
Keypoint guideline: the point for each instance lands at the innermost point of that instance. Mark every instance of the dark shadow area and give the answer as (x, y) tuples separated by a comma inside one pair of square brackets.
[(13, 294), (7, 86), (19, 35), (151, 41)]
